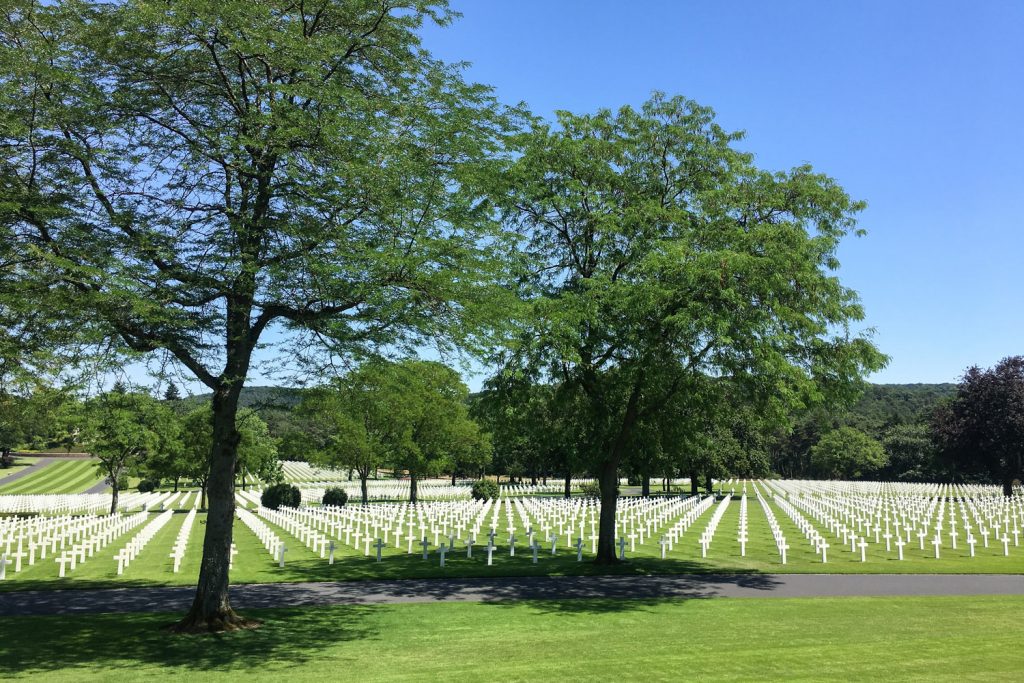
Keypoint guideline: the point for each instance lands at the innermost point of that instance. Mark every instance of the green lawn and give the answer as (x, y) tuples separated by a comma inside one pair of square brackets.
[(253, 563), (743, 639), (59, 476), (20, 463)]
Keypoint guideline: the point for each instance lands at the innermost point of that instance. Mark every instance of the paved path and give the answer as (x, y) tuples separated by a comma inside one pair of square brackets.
[(101, 487), (31, 469), (170, 599)]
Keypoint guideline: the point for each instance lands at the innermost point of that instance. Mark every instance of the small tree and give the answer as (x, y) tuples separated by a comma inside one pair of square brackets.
[(125, 430), (335, 496), (281, 494), (847, 453), (485, 489)]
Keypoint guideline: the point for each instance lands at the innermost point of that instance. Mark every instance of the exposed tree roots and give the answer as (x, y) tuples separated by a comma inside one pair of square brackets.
[(195, 623)]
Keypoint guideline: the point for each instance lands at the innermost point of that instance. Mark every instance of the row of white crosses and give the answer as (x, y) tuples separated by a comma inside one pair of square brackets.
[(709, 531), (858, 511), (295, 523), (270, 540), (139, 541), (818, 542), (773, 525), (181, 542), (690, 509), (100, 535), (742, 535)]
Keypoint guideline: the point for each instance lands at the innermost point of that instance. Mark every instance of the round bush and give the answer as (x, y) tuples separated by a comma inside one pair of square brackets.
[(281, 494), (147, 485), (485, 489), (591, 489), (335, 496)]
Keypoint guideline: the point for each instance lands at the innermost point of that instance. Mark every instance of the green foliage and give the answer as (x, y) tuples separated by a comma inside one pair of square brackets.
[(335, 496), (127, 430), (980, 432), (912, 453), (660, 256), (591, 489), (281, 494), (257, 451), (847, 453), (214, 168), (411, 415), (147, 485), (485, 489)]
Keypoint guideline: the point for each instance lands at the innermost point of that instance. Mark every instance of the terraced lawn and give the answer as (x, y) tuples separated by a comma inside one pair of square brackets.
[(58, 476)]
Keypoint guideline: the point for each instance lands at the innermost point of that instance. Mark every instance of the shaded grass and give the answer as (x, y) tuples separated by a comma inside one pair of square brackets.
[(750, 639)]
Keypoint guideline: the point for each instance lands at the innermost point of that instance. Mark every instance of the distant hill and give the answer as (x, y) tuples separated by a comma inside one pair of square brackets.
[(273, 404), (884, 405), (256, 398)]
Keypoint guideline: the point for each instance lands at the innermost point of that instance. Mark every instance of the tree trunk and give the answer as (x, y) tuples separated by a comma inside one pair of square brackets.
[(708, 483), (113, 497), (544, 480), (362, 486), (412, 488), (1008, 487), (176, 483), (350, 475), (453, 479), (533, 479), (608, 478), (568, 484), (202, 495), (645, 485), (693, 483), (211, 608)]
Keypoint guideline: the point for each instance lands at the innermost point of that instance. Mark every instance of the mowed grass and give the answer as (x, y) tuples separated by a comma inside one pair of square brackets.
[(253, 564), (58, 476), (743, 639)]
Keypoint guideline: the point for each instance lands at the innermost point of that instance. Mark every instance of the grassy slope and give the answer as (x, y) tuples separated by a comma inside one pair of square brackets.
[(60, 476), (757, 639)]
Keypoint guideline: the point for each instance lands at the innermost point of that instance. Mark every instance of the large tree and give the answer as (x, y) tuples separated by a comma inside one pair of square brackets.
[(190, 175), (662, 255), (980, 432)]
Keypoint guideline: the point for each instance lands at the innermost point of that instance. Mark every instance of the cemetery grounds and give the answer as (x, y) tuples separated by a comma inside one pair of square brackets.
[(762, 527)]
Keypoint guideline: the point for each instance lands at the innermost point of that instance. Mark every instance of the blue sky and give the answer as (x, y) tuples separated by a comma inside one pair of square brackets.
[(914, 107)]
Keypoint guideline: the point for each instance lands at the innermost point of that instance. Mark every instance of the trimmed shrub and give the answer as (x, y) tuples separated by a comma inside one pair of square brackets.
[(591, 489), (335, 496), (281, 494), (147, 485), (485, 489)]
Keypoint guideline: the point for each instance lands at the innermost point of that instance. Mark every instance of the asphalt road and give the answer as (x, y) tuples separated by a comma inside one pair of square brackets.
[(172, 599)]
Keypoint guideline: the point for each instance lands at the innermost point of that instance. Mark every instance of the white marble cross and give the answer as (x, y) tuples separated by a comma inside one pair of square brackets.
[(425, 543), (281, 550), (622, 547), (3, 566), (579, 548), (442, 550), (379, 545)]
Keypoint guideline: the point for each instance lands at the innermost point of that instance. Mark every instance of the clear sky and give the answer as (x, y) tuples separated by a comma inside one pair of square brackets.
[(915, 107)]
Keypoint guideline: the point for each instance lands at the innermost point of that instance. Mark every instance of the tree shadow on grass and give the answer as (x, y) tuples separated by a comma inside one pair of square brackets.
[(118, 642)]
